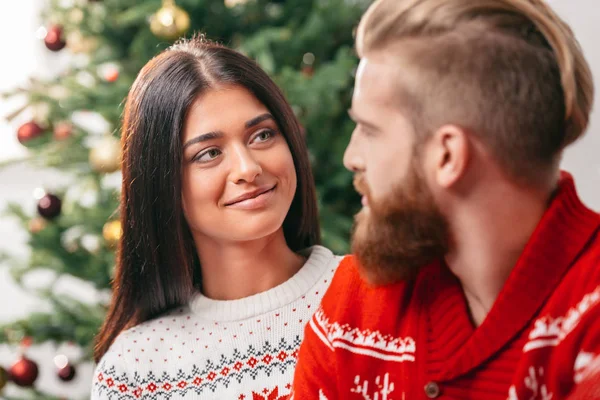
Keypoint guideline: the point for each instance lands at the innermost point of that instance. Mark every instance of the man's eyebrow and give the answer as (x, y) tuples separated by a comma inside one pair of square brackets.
[(358, 120)]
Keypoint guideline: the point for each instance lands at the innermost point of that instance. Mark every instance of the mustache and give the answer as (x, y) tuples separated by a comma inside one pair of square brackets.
[(360, 185)]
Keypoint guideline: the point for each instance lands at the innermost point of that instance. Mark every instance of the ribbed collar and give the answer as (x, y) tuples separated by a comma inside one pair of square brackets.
[(562, 233), (318, 262)]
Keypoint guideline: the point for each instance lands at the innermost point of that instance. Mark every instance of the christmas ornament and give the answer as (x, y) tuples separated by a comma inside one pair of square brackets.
[(111, 75), (63, 130), (66, 371), (308, 71), (170, 22), (24, 372), (76, 16), (3, 378), (105, 157), (77, 43), (54, 38), (112, 232), (29, 130), (49, 206), (37, 225), (26, 342)]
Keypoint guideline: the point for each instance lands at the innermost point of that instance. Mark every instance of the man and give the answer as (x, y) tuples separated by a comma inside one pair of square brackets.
[(476, 268)]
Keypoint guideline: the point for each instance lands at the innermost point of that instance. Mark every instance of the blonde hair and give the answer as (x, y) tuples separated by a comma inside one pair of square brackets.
[(506, 59)]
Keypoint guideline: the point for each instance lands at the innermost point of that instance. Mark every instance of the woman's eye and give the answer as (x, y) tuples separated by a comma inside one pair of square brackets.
[(208, 155), (263, 136)]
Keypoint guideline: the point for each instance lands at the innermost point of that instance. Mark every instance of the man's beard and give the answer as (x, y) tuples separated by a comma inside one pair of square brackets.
[(401, 234)]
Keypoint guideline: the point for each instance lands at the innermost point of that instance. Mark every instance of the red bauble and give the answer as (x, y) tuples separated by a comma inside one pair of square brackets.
[(29, 130), (112, 75), (308, 71), (67, 373), (24, 372), (54, 40), (49, 206), (63, 130)]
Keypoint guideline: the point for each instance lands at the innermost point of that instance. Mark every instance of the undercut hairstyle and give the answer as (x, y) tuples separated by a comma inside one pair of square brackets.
[(508, 71)]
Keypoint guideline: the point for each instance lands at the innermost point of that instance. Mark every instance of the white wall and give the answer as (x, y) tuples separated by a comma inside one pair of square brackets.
[(582, 159), (23, 54)]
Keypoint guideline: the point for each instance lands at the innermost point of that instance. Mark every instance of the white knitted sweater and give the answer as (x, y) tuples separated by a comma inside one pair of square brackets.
[(241, 349)]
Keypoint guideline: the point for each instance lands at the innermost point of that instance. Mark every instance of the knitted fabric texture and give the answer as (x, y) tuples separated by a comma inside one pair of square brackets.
[(242, 349)]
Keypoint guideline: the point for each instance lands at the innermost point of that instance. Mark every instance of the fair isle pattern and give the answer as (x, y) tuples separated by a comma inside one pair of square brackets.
[(365, 342), (548, 331), (209, 349), (236, 368)]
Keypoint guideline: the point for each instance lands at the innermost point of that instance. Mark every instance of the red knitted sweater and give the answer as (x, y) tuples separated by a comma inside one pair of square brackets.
[(416, 341)]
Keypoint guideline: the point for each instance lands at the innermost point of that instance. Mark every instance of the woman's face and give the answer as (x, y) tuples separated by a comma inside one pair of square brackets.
[(238, 175)]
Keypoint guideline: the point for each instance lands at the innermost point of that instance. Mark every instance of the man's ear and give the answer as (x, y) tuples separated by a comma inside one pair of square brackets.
[(449, 150)]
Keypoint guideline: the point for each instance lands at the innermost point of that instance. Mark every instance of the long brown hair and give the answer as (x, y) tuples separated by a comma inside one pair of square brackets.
[(157, 264)]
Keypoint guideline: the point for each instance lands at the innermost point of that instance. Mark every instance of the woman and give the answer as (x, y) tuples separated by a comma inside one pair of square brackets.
[(219, 267)]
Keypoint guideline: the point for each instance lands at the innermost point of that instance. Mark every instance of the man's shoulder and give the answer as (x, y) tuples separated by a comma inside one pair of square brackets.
[(349, 296)]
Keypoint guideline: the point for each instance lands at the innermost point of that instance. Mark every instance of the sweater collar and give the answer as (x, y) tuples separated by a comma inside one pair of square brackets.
[(318, 262), (561, 235)]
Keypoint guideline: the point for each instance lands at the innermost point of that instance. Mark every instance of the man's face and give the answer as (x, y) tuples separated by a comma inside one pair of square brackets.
[(400, 227)]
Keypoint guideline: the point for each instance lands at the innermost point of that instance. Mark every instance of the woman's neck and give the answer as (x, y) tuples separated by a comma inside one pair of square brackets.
[(234, 270)]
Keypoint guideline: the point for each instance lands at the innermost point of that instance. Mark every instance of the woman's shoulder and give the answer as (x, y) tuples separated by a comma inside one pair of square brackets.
[(321, 256), (156, 331)]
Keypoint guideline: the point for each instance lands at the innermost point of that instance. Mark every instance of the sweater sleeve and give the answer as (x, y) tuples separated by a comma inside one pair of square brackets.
[(111, 379), (315, 376)]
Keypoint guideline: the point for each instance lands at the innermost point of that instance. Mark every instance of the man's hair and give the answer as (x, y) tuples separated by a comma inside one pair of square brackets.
[(509, 71)]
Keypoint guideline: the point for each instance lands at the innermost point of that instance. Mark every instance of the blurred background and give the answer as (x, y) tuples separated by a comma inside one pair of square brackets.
[(65, 69)]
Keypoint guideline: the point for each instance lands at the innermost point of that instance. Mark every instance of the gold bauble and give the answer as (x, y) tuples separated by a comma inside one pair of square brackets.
[(170, 22), (78, 43), (37, 224), (112, 232), (106, 156)]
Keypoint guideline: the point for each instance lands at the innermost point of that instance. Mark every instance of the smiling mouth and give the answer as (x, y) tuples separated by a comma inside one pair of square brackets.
[(250, 196)]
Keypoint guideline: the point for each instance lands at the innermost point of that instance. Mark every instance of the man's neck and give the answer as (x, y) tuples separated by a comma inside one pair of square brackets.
[(488, 239)]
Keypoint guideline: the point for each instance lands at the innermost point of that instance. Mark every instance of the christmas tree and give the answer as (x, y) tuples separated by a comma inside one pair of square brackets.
[(305, 45)]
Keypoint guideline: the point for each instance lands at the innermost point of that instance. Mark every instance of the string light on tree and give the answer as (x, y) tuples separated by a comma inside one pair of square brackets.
[(170, 21)]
